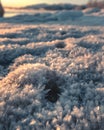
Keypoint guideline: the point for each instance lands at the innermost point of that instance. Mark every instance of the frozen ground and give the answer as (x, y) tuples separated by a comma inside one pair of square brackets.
[(52, 71)]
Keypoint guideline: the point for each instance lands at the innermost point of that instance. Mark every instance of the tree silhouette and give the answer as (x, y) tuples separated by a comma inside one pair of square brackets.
[(1, 10), (96, 3)]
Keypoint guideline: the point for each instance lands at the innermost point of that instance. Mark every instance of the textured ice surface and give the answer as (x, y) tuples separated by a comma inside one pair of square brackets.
[(52, 71)]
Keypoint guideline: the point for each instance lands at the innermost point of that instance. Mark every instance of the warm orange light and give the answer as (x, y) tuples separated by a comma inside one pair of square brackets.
[(18, 3)]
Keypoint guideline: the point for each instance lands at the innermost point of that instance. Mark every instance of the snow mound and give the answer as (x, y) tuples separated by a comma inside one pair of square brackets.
[(26, 74), (92, 10), (68, 15), (82, 17)]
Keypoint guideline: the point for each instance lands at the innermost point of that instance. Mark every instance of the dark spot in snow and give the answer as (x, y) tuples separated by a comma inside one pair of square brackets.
[(81, 96), (63, 32), (54, 91), (60, 45)]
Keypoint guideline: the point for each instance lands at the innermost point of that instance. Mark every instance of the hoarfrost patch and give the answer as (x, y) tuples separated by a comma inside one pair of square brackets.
[(51, 72)]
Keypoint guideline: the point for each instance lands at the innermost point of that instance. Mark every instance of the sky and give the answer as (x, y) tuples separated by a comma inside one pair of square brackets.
[(19, 3)]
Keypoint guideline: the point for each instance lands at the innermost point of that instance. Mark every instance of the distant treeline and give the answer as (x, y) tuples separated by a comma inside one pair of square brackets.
[(91, 3), (96, 3), (56, 7)]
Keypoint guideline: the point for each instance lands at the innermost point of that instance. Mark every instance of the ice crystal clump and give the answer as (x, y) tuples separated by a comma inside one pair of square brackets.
[(27, 58), (26, 74)]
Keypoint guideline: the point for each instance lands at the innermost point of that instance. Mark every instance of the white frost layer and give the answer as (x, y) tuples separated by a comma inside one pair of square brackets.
[(34, 57)]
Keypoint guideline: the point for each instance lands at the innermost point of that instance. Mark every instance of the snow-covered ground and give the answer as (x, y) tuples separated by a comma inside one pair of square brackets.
[(52, 70)]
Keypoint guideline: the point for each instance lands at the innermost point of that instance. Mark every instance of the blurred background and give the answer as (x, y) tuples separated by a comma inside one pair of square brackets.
[(13, 7), (9, 8), (18, 3)]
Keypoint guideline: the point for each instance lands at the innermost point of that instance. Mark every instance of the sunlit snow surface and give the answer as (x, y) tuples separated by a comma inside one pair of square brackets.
[(52, 71)]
